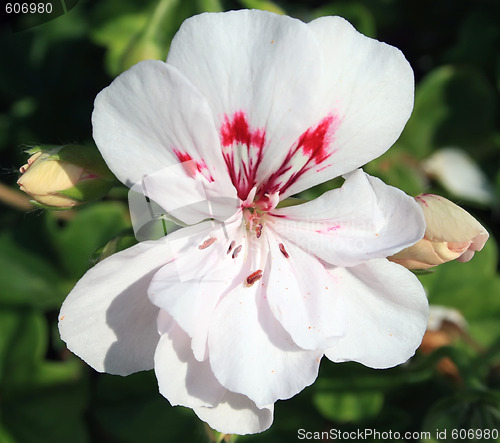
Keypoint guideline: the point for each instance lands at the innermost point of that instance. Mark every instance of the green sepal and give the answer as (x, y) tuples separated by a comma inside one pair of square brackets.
[(87, 190), (423, 271), (86, 157), (50, 208), (33, 149)]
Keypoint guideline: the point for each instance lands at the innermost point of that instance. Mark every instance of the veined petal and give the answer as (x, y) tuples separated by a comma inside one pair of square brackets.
[(107, 319), (249, 351), (190, 287), (182, 379), (386, 310), (185, 381), (363, 219), (138, 132), (369, 90), (309, 308), (188, 200), (247, 63)]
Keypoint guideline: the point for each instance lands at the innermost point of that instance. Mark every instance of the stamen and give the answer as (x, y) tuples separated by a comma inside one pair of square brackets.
[(237, 251), (283, 250), (258, 230), (231, 246), (207, 243), (253, 277)]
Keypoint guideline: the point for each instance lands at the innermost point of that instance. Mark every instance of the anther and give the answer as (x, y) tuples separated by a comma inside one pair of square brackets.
[(231, 246), (236, 251), (207, 243), (258, 230), (253, 277), (283, 250)]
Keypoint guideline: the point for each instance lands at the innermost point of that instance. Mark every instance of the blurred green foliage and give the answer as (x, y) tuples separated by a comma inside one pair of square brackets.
[(47, 87)]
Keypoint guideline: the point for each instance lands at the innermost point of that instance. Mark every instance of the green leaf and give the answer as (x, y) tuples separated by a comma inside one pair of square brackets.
[(52, 415), (115, 35), (91, 228), (27, 279), (264, 5), (471, 287), (210, 5), (453, 106), (345, 407), (468, 410), (41, 400), (118, 412), (397, 167), (24, 339)]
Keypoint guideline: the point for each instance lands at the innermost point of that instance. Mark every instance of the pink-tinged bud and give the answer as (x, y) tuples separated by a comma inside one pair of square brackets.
[(451, 233), (63, 177)]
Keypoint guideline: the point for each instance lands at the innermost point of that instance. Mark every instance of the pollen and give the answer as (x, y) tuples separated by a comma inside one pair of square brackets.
[(253, 277), (207, 243)]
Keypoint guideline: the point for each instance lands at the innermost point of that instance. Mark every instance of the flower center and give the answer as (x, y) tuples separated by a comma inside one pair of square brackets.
[(256, 209), (255, 220)]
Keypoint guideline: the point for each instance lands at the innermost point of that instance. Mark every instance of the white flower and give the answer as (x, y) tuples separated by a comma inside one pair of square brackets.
[(251, 108)]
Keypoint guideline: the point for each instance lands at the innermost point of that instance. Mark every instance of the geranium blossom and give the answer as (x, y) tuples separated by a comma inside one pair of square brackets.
[(236, 310)]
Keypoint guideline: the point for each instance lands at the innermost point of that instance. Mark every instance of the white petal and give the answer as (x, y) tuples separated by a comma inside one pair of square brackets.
[(185, 381), (182, 379), (369, 90), (152, 117), (190, 287), (363, 219), (236, 414), (190, 200), (107, 319), (260, 73), (386, 310), (303, 296), (250, 352)]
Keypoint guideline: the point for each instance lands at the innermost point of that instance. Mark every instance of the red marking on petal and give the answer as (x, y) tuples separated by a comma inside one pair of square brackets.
[(283, 250), (253, 277), (207, 243), (329, 229), (238, 131), (313, 148), (193, 167), (242, 151), (315, 142)]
